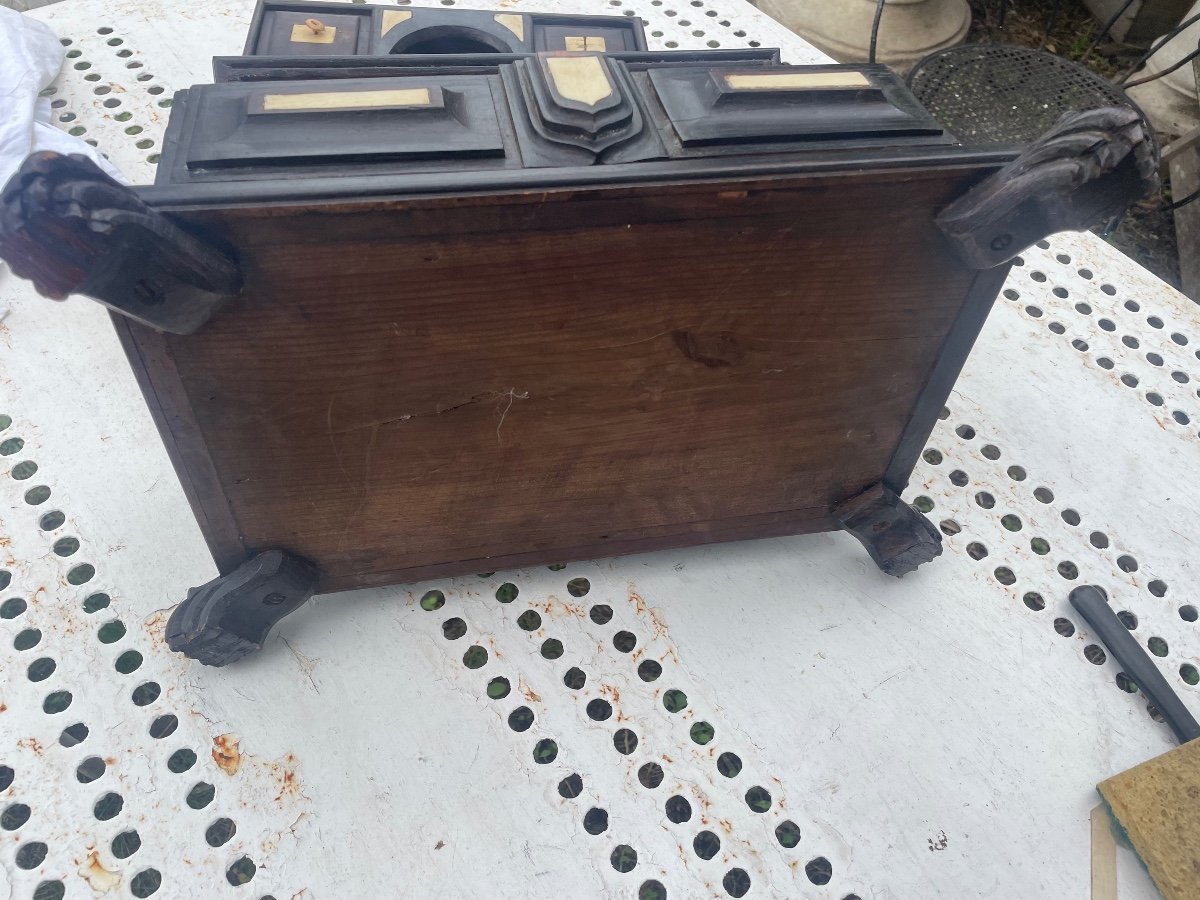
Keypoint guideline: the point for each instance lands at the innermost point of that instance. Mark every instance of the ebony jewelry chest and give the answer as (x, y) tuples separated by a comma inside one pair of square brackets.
[(415, 296)]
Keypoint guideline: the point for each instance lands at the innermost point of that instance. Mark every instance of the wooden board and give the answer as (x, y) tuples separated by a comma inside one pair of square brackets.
[(1104, 856), (1185, 179), (457, 384)]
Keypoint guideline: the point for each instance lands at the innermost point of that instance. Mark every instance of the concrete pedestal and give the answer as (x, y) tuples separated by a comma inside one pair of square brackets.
[(1170, 102), (910, 30), (1140, 23), (1183, 79)]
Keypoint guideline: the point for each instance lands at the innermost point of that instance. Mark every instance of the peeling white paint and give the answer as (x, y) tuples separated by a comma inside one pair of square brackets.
[(880, 714)]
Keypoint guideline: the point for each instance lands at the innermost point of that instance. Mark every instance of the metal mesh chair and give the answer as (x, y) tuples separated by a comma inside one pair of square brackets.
[(1000, 93)]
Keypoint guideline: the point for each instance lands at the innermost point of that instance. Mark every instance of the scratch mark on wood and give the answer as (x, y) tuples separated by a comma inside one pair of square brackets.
[(512, 395)]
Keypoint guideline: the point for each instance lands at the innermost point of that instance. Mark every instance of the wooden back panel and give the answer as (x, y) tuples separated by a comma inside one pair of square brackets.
[(420, 387)]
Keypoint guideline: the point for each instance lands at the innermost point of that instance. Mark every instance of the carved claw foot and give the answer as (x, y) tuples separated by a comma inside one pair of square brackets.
[(898, 537), (230, 617), (71, 229), (1089, 166)]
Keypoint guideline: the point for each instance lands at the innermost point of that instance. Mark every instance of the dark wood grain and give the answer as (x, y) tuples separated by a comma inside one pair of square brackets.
[(171, 408), (414, 387)]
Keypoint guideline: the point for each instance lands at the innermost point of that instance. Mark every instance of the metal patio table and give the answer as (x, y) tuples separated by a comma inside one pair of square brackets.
[(775, 716)]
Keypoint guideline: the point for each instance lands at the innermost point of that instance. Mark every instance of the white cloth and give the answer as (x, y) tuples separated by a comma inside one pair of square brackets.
[(30, 57)]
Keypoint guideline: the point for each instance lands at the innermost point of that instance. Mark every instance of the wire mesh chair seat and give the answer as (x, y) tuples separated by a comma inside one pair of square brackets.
[(1000, 93)]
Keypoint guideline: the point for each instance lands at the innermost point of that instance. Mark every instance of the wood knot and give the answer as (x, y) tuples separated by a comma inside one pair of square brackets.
[(316, 26), (714, 350)]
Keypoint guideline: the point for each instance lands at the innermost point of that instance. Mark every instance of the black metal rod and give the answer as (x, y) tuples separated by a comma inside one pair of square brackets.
[(1157, 75), (1051, 21), (1104, 31), (1179, 204), (1093, 606), (1158, 45), (875, 30)]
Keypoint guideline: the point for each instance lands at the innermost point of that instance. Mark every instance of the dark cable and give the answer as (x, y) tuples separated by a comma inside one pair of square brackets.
[(1003, 14), (1157, 75), (1186, 23), (1051, 21), (1104, 31), (1171, 207), (875, 30)]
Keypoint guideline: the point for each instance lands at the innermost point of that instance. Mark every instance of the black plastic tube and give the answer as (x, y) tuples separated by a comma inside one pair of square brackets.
[(1137, 664)]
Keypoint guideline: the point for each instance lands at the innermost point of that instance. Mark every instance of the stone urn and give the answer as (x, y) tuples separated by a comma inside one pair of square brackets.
[(1170, 102), (910, 29), (1182, 80)]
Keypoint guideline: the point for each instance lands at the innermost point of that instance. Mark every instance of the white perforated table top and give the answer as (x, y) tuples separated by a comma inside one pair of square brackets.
[(772, 717)]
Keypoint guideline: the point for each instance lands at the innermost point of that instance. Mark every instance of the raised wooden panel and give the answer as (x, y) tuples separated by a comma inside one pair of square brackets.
[(349, 122), (284, 32), (389, 405)]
